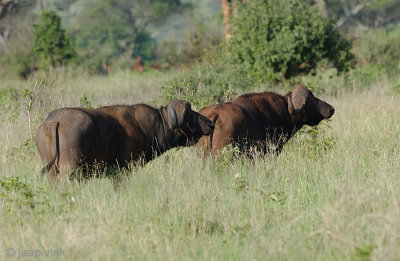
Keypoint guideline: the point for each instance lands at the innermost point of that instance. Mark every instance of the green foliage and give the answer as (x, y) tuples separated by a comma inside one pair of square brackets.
[(275, 40), (396, 88), (22, 152), (364, 76), (200, 36), (379, 47), (184, 88), (101, 42), (85, 102), (272, 40), (124, 35), (374, 13), (23, 194), (205, 85), (7, 96), (240, 184), (51, 44), (312, 87), (25, 66), (160, 9), (210, 82), (187, 87), (17, 195), (9, 101), (218, 76), (227, 155), (363, 253), (315, 139)]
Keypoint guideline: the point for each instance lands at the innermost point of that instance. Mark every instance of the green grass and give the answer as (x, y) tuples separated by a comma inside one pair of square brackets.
[(331, 195)]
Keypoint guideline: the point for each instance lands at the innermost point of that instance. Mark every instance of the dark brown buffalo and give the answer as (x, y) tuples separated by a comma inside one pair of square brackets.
[(263, 119), (73, 137)]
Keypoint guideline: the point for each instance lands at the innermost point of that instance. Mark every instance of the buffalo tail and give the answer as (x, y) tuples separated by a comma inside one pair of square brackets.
[(55, 141), (214, 119)]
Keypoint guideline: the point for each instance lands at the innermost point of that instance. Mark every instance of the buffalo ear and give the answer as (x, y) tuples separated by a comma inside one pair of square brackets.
[(299, 97), (172, 119), (176, 111)]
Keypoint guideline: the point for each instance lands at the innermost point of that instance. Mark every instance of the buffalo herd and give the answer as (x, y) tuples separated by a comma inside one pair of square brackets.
[(80, 138)]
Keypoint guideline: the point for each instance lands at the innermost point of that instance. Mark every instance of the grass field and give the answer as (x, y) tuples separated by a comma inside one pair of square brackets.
[(332, 194)]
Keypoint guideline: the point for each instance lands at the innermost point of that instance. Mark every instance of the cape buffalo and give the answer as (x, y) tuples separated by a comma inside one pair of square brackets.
[(73, 137), (263, 119)]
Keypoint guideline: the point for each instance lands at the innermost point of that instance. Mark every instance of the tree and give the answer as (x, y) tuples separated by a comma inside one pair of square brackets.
[(280, 39), (227, 12), (6, 6), (371, 13), (113, 29), (10, 10), (51, 44)]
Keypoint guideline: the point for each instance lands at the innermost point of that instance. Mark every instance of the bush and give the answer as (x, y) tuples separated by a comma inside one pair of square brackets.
[(16, 195), (207, 84), (280, 39), (51, 44)]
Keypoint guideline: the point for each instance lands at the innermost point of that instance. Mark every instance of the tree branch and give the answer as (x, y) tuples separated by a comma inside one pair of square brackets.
[(345, 8), (4, 5), (352, 13)]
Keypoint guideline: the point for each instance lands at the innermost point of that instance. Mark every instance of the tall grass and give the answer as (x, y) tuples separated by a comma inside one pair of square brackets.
[(332, 196)]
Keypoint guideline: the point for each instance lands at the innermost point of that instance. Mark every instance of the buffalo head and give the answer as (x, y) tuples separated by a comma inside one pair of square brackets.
[(306, 108), (187, 125)]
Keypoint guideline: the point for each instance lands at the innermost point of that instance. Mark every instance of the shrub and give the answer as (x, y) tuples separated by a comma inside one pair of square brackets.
[(51, 44), (280, 39), (16, 195), (183, 88), (85, 102), (208, 83)]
